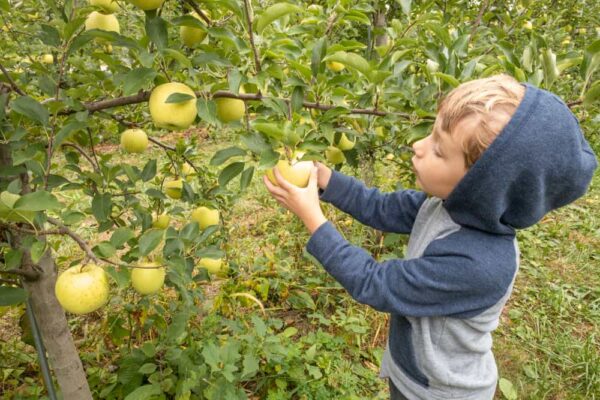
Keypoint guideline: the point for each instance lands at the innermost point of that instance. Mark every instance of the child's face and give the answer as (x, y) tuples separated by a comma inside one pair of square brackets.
[(439, 162)]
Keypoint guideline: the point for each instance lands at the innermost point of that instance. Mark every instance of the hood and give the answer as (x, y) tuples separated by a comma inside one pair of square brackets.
[(540, 161)]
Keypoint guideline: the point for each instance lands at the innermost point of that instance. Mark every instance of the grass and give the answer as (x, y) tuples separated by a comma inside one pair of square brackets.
[(547, 344)]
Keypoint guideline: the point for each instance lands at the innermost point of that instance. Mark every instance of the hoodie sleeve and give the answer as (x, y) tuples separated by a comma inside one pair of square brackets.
[(388, 212), (460, 275)]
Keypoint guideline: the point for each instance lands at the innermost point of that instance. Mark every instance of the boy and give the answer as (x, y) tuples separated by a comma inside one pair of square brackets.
[(500, 156)]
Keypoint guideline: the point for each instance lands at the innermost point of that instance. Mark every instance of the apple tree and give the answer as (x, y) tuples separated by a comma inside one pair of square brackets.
[(344, 82)]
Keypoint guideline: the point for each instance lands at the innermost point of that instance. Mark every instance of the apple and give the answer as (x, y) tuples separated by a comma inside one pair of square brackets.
[(108, 6), (297, 173), (47, 59), (161, 222), (147, 4), (108, 49), (528, 25), (82, 289), (345, 143), (334, 155), (565, 42), (172, 115), (335, 66), (174, 188), (191, 36), (205, 217), (230, 109), (105, 22), (134, 140), (389, 157), (380, 132), (582, 31), (149, 278), (187, 170), (212, 265)]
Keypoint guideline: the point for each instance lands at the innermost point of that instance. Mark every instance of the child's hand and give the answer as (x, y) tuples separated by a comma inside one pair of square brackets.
[(304, 202), (323, 176)]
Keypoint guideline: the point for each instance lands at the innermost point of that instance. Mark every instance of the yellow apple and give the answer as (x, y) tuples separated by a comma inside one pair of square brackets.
[(230, 109), (174, 188), (334, 155), (108, 49), (335, 66), (297, 173), (345, 143), (147, 4), (187, 169), (161, 222), (82, 289), (389, 157), (190, 36), (379, 132), (134, 140), (105, 22), (172, 115), (528, 25), (212, 265), (205, 217), (149, 278), (107, 6), (47, 59), (582, 31)]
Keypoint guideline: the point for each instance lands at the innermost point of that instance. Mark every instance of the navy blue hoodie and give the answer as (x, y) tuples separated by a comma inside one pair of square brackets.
[(446, 296)]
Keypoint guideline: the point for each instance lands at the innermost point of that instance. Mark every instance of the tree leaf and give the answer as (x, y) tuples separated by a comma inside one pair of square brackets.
[(274, 12), (149, 171), (352, 60), (12, 295), (30, 108), (318, 52), (49, 35), (246, 177), (150, 240), (592, 95), (230, 172), (137, 79), (179, 97), (406, 6), (67, 130), (225, 154), (156, 29), (145, 392), (102, 206), (37, 201), (121, 236)]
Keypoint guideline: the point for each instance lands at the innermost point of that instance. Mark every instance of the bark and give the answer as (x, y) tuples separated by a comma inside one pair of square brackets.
[(380, 22), (62, 353)]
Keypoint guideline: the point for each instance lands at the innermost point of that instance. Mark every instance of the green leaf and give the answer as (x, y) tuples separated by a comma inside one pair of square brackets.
[(223, 155), (121, 236), (270, 129), (447, 78), (37, 201), (249, 366), (4, 5), (207, 111), (149, 171), (49, 35), (12, 295), (156, 29), (230, 172), (150, 240), (178, 56), (508, 390), (592, 95), (102, 206), (406, 6), (67, 130), (246, 177), (105, 249), (352, 60), (318, 53), (36, 250), (297, 98), (549, 64), (147, 368), (179, 97), (31, 109), (145, 392), (274, 12), (137, 79), (177, 331)]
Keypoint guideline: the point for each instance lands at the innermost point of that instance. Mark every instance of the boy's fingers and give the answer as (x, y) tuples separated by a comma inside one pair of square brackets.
[(281, 180), (275, 190), (312, 181)]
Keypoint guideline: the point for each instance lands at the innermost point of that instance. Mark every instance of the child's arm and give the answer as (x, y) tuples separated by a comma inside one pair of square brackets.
[(460, 275), (389, 212)]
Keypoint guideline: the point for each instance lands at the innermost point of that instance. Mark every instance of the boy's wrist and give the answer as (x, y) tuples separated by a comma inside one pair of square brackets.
[(313, 223), (324, 176)]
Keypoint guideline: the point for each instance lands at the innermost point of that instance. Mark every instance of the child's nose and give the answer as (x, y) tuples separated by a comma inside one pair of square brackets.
[(417, 147)]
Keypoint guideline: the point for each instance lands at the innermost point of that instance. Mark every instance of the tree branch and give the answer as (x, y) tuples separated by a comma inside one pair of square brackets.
[(199, 11), (28, 275), (83, 153), (12, 83), (257, 65), (82, 244)]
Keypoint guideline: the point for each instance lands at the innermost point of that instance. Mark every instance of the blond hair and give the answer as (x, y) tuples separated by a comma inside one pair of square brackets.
[(491, 100)]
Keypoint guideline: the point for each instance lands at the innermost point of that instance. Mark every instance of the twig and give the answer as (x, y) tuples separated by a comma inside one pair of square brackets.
[(171, 148), (83, 153), (12, 83), (251, 34), (9, 282), (94, 151), (484, 7), (199, 11), (574, 103), (28, 275), (82, 244)]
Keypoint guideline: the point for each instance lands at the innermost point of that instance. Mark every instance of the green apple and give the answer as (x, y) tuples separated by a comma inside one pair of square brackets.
[(528, 25), (162, 221), (47, 59), (147, 4), (380, 132), (134, 140), (191, 36), (205, 217), (335, 66), (212, 265), (105, 22), (8, 213), (230, 109), (82, 289), (174, 188), (297, 173), (149, 278), (107, 6), (172, 115), (187, 170), (345, 144), (335, 155)]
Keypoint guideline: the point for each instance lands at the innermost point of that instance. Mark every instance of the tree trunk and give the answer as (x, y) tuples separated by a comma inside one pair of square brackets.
[(380, 22), (63, 356)]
